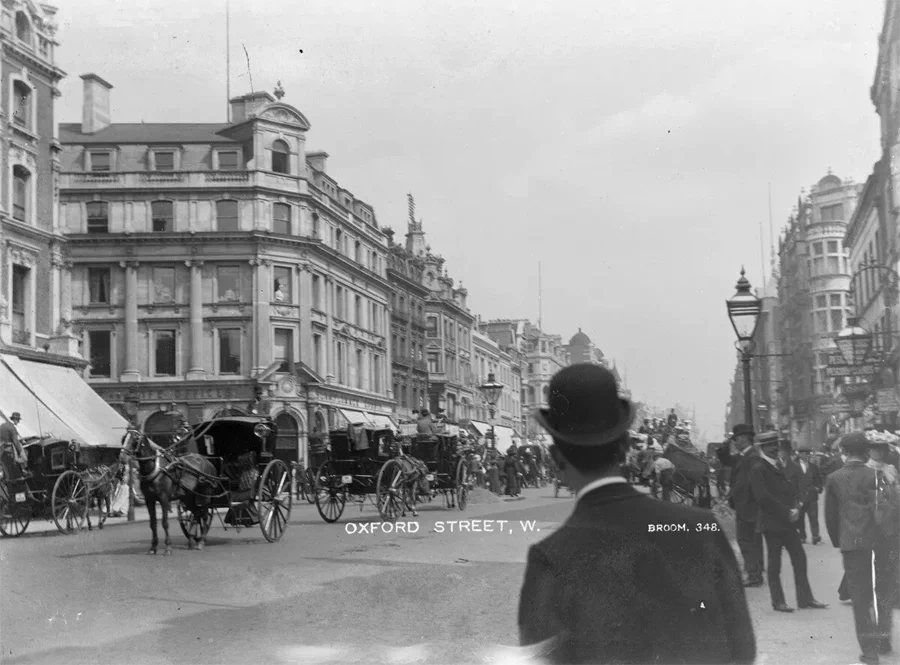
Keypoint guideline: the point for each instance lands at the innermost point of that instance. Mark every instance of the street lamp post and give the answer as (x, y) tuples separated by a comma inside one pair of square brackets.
[(744, 309), (491, 390)]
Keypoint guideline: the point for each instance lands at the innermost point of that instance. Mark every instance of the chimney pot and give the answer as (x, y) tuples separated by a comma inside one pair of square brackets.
[(317, 160), (246, 106), (95, 109)]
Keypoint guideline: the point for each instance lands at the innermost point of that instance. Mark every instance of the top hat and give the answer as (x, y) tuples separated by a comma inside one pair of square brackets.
[(584, 407), (767, 439), (742, 429), (855, 443)]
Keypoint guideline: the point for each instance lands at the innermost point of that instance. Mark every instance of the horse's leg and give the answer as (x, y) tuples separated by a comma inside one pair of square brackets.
[(165, 505), (88, 511), (107, 502), (204, 526), (151, 511)]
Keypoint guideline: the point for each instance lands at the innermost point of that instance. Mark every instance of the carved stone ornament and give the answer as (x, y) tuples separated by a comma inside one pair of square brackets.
[(22, 257), (280, 310)]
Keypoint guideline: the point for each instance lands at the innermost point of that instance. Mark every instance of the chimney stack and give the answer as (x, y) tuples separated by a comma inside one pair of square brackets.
[(246, 106), (95, 110), (317, 160)]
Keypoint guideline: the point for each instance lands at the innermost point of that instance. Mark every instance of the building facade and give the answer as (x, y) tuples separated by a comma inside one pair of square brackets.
[(509, 335), (545, 355), (582, 350), (208, 259), (491, 358), (33, 262), (405, 273)]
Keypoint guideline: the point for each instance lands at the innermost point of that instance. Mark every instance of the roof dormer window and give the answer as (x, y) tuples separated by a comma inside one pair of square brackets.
[(163, 160), (280, 154)]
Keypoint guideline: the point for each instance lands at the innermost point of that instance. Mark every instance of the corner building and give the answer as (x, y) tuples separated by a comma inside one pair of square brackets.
[(211, 258)]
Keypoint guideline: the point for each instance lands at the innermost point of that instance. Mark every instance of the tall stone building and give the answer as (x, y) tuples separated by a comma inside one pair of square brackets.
[(813, 305), (406, 273), (509, 335), (491, 358), (582, 350), (209, 259)]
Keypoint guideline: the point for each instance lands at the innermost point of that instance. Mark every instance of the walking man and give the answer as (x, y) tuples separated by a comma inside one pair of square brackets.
[(851, 524), (777, 498), (810, 488), (594, 586), (12, 454), (741, 500)]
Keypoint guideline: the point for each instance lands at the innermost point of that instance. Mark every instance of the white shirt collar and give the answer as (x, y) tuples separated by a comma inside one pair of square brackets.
[(600, 482), (773, 462)]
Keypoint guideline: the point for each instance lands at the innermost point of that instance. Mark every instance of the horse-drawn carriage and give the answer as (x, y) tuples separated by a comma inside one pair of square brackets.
[(690, 477), (63, 479), (448, 471), (363, 463), (225, 463)]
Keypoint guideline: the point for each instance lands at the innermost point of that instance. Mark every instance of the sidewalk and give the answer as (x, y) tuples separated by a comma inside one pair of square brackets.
[(48, 527)]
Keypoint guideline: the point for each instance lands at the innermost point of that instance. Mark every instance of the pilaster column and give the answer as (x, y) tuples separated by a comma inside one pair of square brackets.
[(388, 354), (262, 296), (364, 368), (304, 300), (131, 373), (328, 285), (196, 370)]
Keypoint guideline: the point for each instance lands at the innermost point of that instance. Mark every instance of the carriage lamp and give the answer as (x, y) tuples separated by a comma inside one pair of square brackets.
[(262, 430), (853, 342)]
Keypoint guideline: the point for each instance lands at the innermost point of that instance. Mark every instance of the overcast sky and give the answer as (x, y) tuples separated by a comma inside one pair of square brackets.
[(625, 144)]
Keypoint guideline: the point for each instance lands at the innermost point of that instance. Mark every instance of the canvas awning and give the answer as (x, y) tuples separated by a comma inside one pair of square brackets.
[(37, 419), (79, 412), (504, 437), (480, 428), (382, 421), (355, 417)]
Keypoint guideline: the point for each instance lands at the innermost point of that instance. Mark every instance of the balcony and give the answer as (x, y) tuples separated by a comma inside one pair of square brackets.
[(400, 315), (104, 180)]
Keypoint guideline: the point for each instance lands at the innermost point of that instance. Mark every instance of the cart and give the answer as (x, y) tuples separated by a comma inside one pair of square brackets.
[(62, 477), (448, 471), (691, 477)]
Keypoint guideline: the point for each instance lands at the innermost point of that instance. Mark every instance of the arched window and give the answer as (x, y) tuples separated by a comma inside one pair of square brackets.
[(280, 153), (320, 426), (21, 193), (21, 104), (162, 214), (281, 218), (288, 436), (23, 28), (227, 216), (162, 426)]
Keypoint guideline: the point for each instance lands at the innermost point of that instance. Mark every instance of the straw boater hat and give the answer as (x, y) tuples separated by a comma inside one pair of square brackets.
[(585, 408)]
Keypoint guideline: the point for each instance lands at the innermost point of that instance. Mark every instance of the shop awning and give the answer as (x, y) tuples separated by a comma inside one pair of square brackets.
[(382, 421), (56, 401), (480, 427), (504, 437), (355, 417), (73, 400)]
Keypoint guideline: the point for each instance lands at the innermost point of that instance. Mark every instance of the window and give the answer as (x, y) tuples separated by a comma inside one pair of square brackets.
[(376, 366), (358, 312), (340, 361), (22, 96), (162, 215), (228, 283), (23, 28), (101, 161), (317, 353), (280, 154), (98, 285), (21, 191), (283, 350), (359, 372), (227, 216), (357, 252), (97, 217), (339, 241), (402, 306), (404, 397), (164, 352), (229, 351), (100, 342), (832, 213), (21, 281), (282, 285), (281, 218), (376, 319), (315, 225), (163, 285), (164, 160), (317, 291), (830, 313), (228, 160), (339, 302), (431, 327), (433, 363)]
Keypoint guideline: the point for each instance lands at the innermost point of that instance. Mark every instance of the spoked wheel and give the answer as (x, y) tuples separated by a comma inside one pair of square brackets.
[(389, 491), (193, 527), (331, 495), (15, 510), (310, 486), (69, 502), (462, 485), (274, 500)]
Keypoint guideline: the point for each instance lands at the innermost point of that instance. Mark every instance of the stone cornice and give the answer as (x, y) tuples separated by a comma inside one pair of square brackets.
[(29, 230), (44, 356), (31, 60)]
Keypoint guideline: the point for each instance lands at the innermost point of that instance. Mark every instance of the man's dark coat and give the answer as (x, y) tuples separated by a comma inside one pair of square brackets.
[(614, 591), (850, 507), (741, 494), (810, 482), (776, 494)]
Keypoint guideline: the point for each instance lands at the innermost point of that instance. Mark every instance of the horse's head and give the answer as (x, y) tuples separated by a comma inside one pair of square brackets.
[(136, 446)]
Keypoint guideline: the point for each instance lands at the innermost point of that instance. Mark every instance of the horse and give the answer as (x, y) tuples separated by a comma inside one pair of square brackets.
[(414, 481), (187, 478), (102, 482)]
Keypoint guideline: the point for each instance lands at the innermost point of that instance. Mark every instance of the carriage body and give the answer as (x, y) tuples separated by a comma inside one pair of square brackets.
[(449, 472), (691, 476)]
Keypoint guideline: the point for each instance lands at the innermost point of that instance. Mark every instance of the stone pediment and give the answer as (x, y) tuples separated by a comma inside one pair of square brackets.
[(285, 114)]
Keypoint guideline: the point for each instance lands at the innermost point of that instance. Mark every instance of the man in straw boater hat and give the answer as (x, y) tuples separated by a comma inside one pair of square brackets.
[(851, 518), (778, 498), (623, 561)]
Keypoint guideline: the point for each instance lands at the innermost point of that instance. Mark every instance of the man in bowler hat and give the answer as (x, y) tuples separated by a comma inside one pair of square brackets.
[(746, 511), (850, 519), (779, 509), (624, 561), (810, 480)]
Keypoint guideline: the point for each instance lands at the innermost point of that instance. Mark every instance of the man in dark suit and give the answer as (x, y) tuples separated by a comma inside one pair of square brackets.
[(778, 502), (746, 511), (622, 561), (851, 525), (810, 480)]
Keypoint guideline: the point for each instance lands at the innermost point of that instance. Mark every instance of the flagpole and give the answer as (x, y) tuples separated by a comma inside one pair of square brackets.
[(228, 60)]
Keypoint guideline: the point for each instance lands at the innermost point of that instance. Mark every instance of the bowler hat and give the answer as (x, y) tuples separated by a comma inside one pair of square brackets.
[(855, 443), (767, 439), (584, 406), (15, 415), (742, 429)]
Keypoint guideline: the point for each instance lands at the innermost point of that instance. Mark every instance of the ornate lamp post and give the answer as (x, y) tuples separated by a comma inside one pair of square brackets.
[(744, 309), (491, 391)]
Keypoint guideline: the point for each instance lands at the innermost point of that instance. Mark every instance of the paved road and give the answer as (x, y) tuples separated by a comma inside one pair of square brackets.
[(322, 594)]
